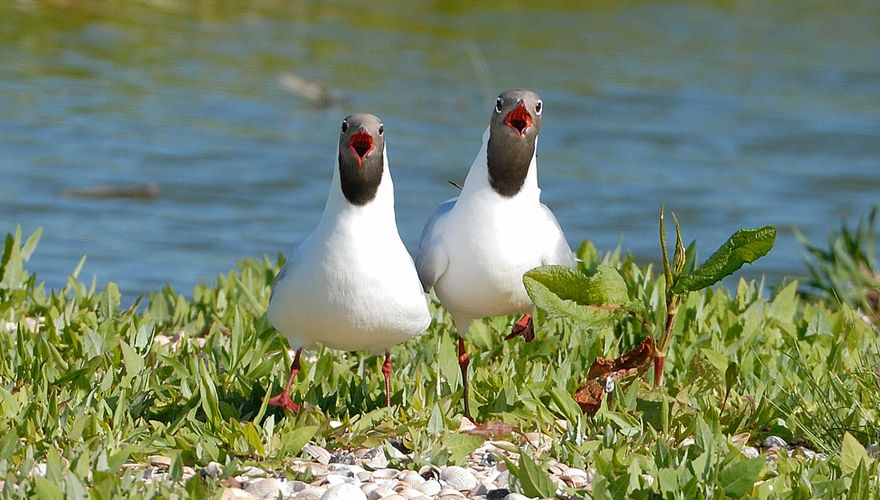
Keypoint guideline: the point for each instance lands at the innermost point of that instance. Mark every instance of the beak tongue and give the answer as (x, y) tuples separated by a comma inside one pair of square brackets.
[(519, 119), (361, 144)]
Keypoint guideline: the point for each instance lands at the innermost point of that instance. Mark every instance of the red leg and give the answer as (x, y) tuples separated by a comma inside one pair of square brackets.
[(523, 327), (463, 362), (282, 399), (386, 370)]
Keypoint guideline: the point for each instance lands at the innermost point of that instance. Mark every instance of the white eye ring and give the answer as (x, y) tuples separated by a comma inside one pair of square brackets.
[(539, 106), (498, 105)]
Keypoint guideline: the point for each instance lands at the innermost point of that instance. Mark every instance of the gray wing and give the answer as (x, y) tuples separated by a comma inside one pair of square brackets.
[(431, 258), (559, 252), (291, 263)]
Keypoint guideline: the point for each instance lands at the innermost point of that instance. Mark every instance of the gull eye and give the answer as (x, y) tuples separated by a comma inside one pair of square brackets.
[(344, 126), (538, 107), (498, 105), (381, 129)]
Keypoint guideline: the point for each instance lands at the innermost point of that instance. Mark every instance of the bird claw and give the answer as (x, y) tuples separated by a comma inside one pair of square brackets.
[(283, 400), (524, 328)]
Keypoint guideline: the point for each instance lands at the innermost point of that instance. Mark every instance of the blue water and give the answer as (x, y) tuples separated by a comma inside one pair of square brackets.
[(733, 114)]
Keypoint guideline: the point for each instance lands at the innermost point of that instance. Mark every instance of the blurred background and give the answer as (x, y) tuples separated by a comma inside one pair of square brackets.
[(167, 139)]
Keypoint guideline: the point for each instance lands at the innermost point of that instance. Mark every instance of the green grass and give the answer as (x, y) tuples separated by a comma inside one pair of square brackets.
[(90, 389)]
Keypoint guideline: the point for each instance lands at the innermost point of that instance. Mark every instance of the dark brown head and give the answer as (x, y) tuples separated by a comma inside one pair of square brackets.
[(361, 157), (513, 132)]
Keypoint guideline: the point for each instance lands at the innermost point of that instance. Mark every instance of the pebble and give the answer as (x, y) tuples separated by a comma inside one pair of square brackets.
[(458, 478), (344, 491), (775, 442), (516, 496), (498, 494)]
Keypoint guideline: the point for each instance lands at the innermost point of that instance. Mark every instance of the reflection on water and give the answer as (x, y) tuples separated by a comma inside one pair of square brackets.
[(734, 114)]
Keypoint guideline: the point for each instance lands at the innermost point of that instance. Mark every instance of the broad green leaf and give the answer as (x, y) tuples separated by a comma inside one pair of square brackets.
[(47, 490), (851, 453), (535, 481), (571, 293), (208, 395), (566, 404), (435, 422), (668, 480), (8, 444), (292, 442), (745, 246), (460, 446), (738, 479), (252, 434)]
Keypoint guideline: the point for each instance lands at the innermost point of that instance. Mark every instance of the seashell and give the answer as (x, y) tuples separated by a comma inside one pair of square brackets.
[(429, 472), (775, 442), (482, 489), (368, 488), (466, 425), (458, 478), (310, 493), (320, 454), (188, 472), (384, 475), (395, 497), (409, 492), (336, 479), (740, 439), (236, 494), (160, 461), (449, 492), (430, 487), (503, 479), (211, 470), (381, 491), (364, 476), (296, 486), (344, 491), (750, 451), (251, 471), (576, 478), (516, 496), (38, 470), (163, 340), (334, 424), (412, 478), (805, 452), (687, 442), (266, 488)]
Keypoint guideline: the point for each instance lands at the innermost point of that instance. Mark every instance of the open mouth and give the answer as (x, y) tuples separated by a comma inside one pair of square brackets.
[(361, 143), (519, 119)]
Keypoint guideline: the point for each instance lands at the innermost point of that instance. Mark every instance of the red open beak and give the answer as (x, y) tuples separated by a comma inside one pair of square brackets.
[(519, 119), (361, 144)]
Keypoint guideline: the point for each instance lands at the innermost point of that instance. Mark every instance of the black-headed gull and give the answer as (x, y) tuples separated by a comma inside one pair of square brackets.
[(475, 248), (351, 285)]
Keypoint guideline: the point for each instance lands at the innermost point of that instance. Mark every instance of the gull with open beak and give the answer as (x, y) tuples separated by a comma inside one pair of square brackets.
[(475, 248), (351, 284)]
